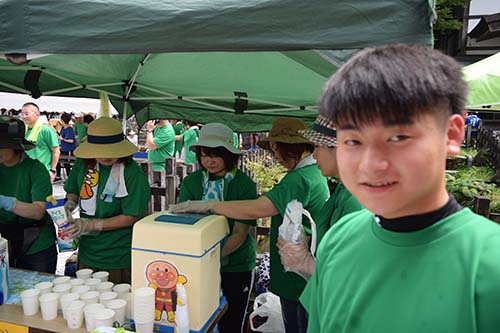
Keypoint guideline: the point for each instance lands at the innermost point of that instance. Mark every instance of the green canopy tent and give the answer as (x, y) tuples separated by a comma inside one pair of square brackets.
[(483, 78), (242, 63)]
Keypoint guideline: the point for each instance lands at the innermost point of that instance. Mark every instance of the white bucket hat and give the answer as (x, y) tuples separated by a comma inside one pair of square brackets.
[(214, 135)]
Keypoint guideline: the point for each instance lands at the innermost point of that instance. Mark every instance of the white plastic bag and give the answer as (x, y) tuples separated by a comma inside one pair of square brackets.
[(292, 230), (267, 305)]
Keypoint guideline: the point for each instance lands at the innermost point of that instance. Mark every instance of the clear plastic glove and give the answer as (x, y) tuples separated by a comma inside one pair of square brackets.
[(7, 203), (296, 258), (193, 206), (79, 227), (70, 207)]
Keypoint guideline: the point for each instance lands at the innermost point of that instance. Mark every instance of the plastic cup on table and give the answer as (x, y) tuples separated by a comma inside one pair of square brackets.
[(121, 289), (128, 298), (80, 289), (44, 287), (76, 282), (106, 297), (30, 301), (74, 314), (144, 305), (65, 300), (61, 280), (92, 283), (90, 297), (101, 275), (119, 306), (104, 318), (104, 286), (48, 305), (90, 310), (144, 327), (62, 288), (85, 273)]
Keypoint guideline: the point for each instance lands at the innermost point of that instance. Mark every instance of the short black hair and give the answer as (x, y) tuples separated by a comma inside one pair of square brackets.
[(394, 84), (87, 119), (230, 159), (66, 117), (31, 104)]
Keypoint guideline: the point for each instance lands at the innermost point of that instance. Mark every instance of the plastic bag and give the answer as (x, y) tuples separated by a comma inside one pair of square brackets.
[(292, 229), (267, 306)]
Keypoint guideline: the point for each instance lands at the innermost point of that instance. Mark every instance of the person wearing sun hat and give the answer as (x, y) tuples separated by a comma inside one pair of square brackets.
[(112, 193), (297, 257), (219, 179), (25, 187), (302, 182)]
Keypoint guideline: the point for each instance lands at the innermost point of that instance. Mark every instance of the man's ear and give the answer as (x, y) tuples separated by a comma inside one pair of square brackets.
[(455, 134)]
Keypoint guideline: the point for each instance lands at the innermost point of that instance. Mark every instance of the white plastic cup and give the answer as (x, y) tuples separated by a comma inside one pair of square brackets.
[(104, 318), (30, 301), (104, 286), (85, 273), (65, 300), (76, 282), (90, 297), (80, 289), (61, 280), (101, 275), (121, 289), (128, 298), (144, 327), (92, 283), (62, 288), (74, 314), (90, 311), (48, 305), (44, 287), (106, 297), (120, 308)]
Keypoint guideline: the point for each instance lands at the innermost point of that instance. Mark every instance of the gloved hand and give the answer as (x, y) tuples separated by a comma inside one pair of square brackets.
[(79, 227), (70, 207), (296, 258), (7, 203), (193, 206)]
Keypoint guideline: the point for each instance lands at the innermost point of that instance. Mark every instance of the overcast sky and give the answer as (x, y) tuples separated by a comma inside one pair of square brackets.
[(482, 7)]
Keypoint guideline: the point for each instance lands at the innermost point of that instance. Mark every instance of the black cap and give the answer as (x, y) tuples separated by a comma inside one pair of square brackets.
[(12, 134)]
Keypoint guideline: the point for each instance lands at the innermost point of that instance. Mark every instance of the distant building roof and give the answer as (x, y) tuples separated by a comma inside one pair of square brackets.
[(487, 28)]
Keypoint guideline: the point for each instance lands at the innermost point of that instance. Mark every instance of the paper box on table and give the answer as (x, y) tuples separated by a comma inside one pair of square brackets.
[(168, 249)]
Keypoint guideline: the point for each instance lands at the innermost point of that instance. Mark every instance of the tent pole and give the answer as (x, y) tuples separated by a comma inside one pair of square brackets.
[(124, 120)]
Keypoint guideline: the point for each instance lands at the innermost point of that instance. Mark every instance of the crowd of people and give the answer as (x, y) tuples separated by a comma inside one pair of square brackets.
[(394, 250)]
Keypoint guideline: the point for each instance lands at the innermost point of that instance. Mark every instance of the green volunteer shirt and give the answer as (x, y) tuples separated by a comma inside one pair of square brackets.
[(190, 136), (28, 181), (308, 186), (81, 131), (111, 249), (341, 203), (240, 188), (46, 140), (164, 139), (444, 278), (179, 128)]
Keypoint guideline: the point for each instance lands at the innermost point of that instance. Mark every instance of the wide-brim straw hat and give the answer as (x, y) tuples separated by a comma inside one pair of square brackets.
[(105, 139), (285, 130), (214, 135), (12, 134), (322, 133)]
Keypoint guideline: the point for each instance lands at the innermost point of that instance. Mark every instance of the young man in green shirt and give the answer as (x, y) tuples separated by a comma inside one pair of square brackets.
[(414, 260), (160, 140)]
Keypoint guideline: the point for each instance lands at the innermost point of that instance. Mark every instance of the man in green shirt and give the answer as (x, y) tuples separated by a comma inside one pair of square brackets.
[(46, 149), (80, 128), (160, 140), (189, 137), (179, 128), (414, 260)]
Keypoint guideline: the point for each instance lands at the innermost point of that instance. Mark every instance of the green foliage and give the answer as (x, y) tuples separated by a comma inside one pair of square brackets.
[(446, 21), (266, 172)]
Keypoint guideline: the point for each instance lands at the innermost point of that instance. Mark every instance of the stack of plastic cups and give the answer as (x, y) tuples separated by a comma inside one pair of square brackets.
[(144, 309), (84, 274), (90, 311)]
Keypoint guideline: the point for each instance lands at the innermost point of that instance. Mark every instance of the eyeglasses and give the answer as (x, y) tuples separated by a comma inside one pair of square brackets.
[(25, 114)]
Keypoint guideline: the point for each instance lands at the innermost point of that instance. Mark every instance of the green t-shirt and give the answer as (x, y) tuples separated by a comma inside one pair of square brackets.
[(28, 181), (179, 128), (111, 249), (308, 186), (341, 203), (190, 136), (81, 131), (46, 140), (164, 139), (444, 278), (240, 188)]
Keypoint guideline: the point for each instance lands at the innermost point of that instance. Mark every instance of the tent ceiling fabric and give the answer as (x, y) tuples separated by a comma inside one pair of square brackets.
[(483, 78), (151, 26), (190, 59)]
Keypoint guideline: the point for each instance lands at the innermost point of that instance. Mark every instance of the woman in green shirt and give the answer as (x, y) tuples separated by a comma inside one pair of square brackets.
[(302, 182), (219, 179), (112, 193)]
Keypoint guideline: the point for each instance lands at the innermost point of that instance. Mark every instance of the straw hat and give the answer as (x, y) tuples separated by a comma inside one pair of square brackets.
[(105, 139), (285, 130), (214, 135), (323, 132), (12, 134)]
